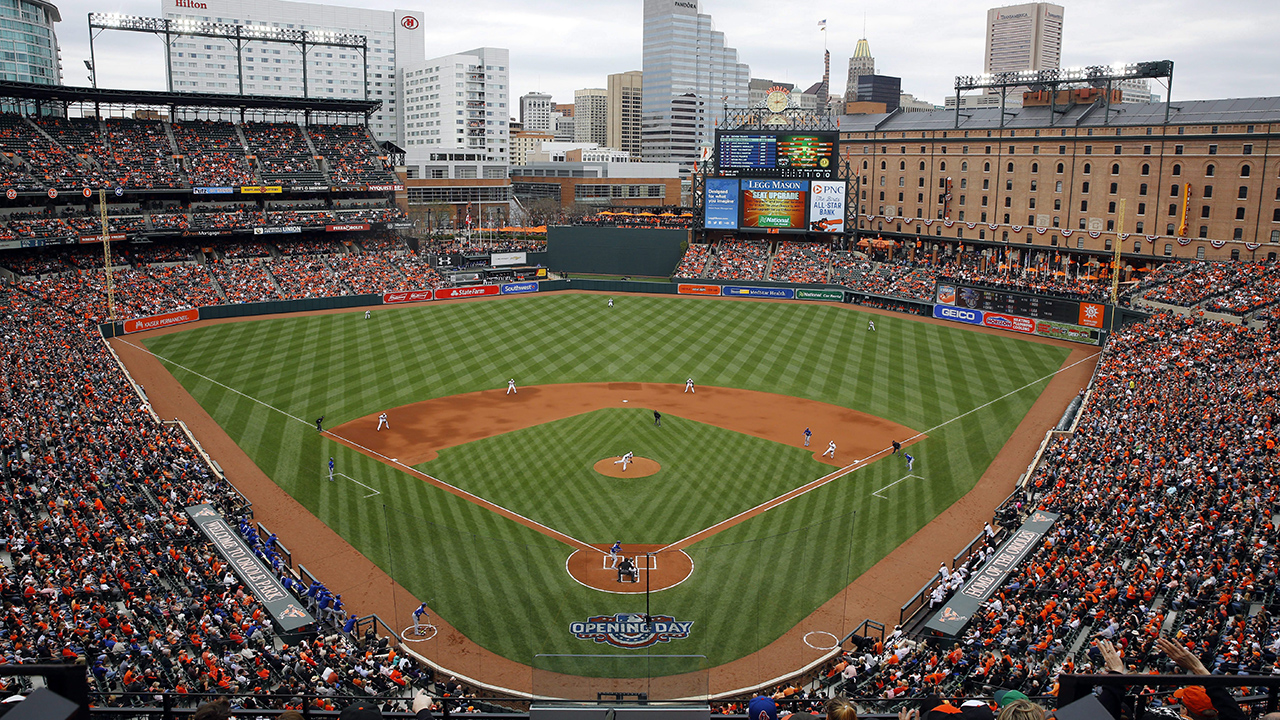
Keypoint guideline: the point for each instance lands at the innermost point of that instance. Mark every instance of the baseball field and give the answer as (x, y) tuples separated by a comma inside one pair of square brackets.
[(475, 500)]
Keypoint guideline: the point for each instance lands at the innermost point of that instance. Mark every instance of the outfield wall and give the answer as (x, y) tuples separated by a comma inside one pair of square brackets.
[(614, 251)]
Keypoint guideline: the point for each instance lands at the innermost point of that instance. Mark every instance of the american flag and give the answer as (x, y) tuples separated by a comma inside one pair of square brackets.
[(822, 24)]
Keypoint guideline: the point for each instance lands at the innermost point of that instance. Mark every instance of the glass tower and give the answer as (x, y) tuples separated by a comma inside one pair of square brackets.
[(28, 44), (689, 78)]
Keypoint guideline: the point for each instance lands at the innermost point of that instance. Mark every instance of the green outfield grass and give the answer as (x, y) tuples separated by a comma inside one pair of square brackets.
[(503, 584)]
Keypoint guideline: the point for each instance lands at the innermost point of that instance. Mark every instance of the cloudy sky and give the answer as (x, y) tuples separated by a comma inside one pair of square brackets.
[(1220, 49)]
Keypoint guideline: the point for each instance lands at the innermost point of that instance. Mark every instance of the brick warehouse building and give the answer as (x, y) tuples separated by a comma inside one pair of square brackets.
[(1056, 182)]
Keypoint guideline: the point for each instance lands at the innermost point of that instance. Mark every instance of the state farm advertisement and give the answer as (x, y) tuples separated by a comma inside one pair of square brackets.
[(774, 204), (158, 321), (466, 292), (1009, 322), (407, 296)]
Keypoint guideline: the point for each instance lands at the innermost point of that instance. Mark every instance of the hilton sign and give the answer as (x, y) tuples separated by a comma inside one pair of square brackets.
[(190, 4)]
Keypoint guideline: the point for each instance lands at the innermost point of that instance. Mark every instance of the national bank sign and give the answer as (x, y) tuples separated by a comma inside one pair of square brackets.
[(630, 631)]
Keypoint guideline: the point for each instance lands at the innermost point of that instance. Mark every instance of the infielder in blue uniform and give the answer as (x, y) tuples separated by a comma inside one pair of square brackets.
[(910, 460), (807, 434), (330, 468)]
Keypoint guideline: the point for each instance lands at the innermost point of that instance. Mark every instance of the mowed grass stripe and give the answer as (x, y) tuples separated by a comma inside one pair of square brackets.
[(502, 583)]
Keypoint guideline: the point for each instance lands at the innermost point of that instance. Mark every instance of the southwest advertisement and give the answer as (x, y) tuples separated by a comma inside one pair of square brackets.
[(722, 204), (774, 204), (826, 207)]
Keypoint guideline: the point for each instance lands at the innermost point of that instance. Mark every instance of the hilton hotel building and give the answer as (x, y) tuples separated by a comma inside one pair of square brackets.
[(1205, 184), (209, 65)]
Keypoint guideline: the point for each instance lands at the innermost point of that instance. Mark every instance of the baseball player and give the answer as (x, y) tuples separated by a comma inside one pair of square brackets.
[(871, 325), (319, 424), (610, 302), (807, 434), (330, 468), (657, 418), (624, 460), (688, 386), (418, 615), (910, 460), (896, 447), (382, 422), (831, 450), (367, 314), (615, 552), (511, 386)]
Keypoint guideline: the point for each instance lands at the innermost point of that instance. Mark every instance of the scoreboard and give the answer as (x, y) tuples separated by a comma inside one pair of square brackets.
[(790, 156), (1038, 308)]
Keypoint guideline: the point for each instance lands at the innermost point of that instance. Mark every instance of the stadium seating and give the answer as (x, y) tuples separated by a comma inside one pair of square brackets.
[(283, 155), (214, 154), (800, 262), (739, 260), (349, 154), (140, 155)]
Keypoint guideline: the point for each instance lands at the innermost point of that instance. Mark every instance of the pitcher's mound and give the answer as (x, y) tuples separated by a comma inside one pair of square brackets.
[(638, 467)]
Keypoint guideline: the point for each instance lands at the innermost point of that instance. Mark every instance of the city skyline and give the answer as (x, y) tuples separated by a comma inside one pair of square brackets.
[(1221, 54)]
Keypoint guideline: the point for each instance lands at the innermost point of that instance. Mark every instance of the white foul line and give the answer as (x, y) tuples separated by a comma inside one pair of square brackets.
[(366, 487), (567, 539), (858, 464), (895, 482)]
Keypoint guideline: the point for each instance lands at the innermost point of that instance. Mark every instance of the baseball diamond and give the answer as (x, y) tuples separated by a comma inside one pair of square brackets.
[(484, 496)]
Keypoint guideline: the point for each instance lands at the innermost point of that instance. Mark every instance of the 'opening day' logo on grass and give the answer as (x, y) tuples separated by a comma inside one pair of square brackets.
[(629, 630)]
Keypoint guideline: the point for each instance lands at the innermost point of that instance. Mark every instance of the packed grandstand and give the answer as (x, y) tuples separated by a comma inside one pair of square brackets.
[(1168, 532)]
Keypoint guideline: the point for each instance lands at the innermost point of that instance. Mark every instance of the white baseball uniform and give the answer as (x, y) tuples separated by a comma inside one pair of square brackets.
[(382, 422), (688, 386), (511, 386), (624, 460), (831, 450)]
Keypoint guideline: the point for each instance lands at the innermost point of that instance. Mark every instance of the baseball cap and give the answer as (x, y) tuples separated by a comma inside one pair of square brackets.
[(1195, 699), (976, 710), (943, 710), (759, 704), (361, 710), (1004, 697)]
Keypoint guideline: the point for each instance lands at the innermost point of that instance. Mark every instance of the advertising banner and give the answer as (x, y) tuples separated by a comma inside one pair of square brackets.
[(261, 189), (466, 292), (159, 321), (407, 296), (828, 295), (956, 314), (1091, 314), (826, 207), (212, 190), (1066, 331), (347, 227), (285, 609), (722, 204), (774, 204), (520, 287), (687, 289), (384, 188), (114, 237), (955, 615), (736, 291), (515, 258), (1014, 323), (278, 230)]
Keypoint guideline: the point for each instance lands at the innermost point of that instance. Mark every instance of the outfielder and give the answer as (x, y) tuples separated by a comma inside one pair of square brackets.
[(610, 302), (688, 386), (628, 458), (366, 314), (418, 615), (871, 325), (615, 552), (330, 468), (511, 386), (831, 450), (807, 434)]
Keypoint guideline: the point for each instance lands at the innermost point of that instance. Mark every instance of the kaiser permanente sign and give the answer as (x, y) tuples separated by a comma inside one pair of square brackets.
[(283, 606), (955, 615)]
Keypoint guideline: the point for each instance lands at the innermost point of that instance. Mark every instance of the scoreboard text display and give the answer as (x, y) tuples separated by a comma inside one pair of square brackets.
[(775, 204), (807, 156)]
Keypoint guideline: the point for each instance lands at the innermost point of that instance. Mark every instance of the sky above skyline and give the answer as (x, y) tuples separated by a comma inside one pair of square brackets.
[(1219, 50)]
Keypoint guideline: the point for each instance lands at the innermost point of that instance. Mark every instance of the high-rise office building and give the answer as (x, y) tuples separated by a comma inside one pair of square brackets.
[(395, 38), (535, 111), (862, 63), (690, 77), (625, 98), (460, 110), (591, 115), (1023, 37), (31, 42)]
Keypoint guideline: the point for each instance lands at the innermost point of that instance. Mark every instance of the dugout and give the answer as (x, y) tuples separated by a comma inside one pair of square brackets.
[(651, 252)]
